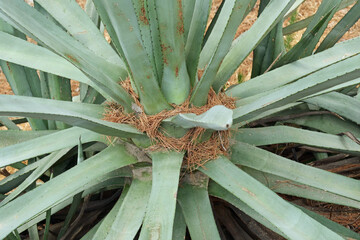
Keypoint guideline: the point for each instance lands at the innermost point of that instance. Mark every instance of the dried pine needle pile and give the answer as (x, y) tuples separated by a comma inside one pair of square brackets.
[(197, 152)]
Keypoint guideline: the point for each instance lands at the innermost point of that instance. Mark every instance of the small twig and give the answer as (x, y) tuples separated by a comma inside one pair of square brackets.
[(350, 135), (221, 142), (273, 63)]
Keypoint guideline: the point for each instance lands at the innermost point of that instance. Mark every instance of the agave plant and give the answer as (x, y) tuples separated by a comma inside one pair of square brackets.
[(165, 49)]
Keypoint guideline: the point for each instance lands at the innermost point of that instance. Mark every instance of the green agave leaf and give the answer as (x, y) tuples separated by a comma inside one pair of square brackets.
[(175, 82), (296, 70), (347, 233), (109, 182), (30, 55), (188, 8), (217, 31), (121, 20), (42, 166), (102, 73), (78, 114), (216, 118), (294, 223), (284, 134), (160, 212), (217, 191), (250, 156), (341, 28), (11, 137), (74, 19), (269, 49), (142, 13), (328, 124), (45, 144), (341, 104), (293, 188), (100, 230), (333, 75), (70, 182), (272, 14), (155, 38), (305, 22), (18, 79), (10, 125), (179, 230), (200, 93), (130, 214), (196, 20), (308, 42), (324, 9), (196, 207)]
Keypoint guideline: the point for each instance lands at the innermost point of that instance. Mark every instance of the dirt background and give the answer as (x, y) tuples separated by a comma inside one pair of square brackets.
[(344, 215)]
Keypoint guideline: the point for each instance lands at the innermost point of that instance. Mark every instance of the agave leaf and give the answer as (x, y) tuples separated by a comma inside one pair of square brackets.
[(101, 230), (341, 28), (341, 104), (294, 223), (217, 191), (196, 207), (142, 13), (272, 14), (305, 22), (70, 15), (10, 125), (124, 30), (29, 205), (160, 212), (296, 70), (155, 38), (179, 230), (217, 31), (250, 156), (104, 74), (11, 137), (347, 233), (200, 93), (324, 9), (328, 124), (269, 49), (216, 118), (293, 188), (333, 75), (188, 8), (19, 81), (283, 134), (45, 164), (130, 214), (308, 42), (78, 114), (30, 55), (109, 182), (198, 15), (45, 144), (175, 83)]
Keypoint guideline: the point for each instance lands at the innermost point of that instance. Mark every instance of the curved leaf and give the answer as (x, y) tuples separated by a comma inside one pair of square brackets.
[(29, 205), (76, 114), (216, 118)]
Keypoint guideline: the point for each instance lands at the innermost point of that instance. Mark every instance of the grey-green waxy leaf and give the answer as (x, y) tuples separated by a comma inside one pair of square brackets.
[(216, 118), (160, 212), (48, 195), (76, 114), (294, 223), (195, 204)]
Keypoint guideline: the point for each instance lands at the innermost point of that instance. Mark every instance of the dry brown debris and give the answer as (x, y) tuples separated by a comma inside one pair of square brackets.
[(197, 153)]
